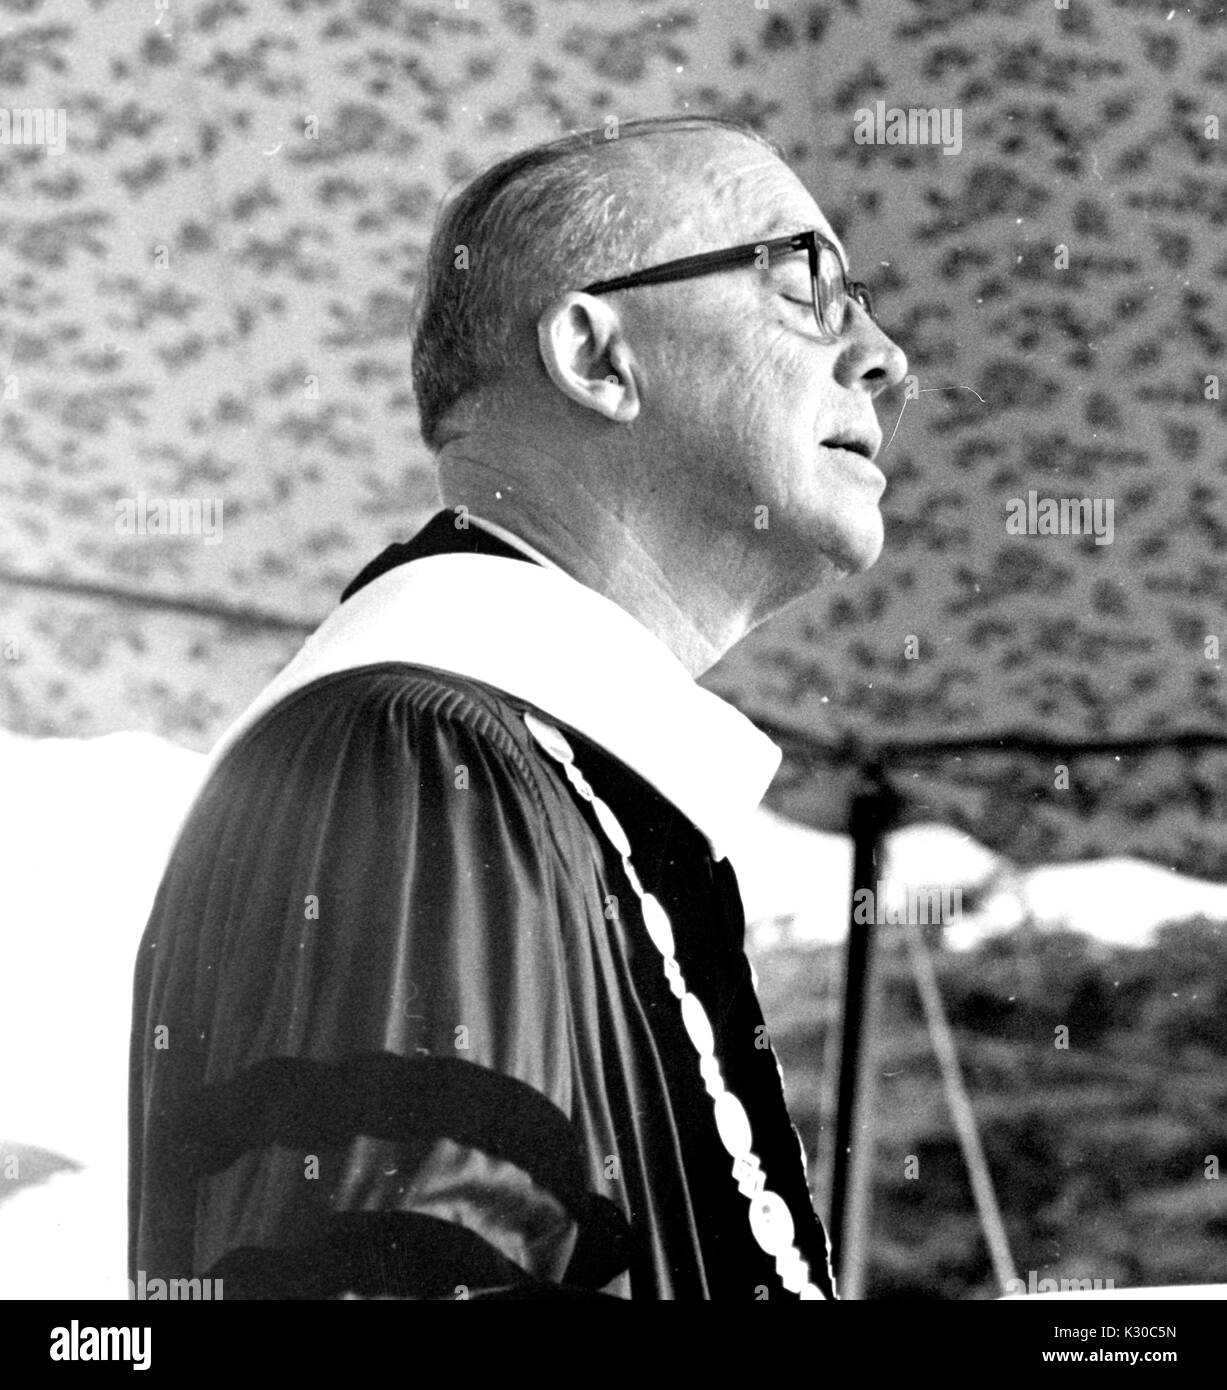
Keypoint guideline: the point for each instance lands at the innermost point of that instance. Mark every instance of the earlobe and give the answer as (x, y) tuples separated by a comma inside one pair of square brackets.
[(584, 351)]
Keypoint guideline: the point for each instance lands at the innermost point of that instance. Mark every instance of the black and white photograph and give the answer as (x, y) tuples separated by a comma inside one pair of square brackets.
[(612, 688)]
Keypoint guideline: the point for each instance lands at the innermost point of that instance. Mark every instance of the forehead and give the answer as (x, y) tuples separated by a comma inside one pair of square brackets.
[(709, 189)]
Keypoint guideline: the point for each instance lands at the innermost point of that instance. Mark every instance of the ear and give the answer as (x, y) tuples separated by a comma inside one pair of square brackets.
[(584, 349)]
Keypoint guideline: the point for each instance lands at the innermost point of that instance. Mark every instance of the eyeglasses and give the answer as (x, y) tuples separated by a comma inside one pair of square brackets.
[(829, 286)]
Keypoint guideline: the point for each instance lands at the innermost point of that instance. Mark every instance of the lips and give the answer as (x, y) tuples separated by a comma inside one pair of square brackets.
[(864, 444)]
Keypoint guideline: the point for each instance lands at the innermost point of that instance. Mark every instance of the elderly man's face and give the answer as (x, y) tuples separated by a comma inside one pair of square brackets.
[(738, 387)]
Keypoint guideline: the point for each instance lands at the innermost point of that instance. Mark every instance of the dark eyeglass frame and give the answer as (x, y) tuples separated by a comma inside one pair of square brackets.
[(830, 319)]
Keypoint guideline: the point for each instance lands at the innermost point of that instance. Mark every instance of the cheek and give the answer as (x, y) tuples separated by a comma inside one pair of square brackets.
[(788, 368), (788, 398), (745, 390)]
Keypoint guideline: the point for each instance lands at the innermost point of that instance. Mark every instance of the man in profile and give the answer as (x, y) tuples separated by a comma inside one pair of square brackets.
[(444, 991)]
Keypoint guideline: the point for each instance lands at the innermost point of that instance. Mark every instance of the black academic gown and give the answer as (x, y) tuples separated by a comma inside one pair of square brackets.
[(400, 1031)]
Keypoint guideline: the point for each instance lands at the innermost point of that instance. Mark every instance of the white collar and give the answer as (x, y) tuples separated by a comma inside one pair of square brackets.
[(575, 655)]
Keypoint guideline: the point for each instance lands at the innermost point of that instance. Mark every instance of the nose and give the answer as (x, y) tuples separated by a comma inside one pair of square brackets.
[(870, 358)]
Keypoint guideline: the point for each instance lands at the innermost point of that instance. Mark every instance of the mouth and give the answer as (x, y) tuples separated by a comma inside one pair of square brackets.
[(864, 444)]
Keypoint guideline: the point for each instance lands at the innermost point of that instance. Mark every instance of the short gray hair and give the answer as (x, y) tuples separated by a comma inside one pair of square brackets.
[(550, 218)]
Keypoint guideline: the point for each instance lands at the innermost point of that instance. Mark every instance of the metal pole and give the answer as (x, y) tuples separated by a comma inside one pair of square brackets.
[(961, 1111), (872, 813)]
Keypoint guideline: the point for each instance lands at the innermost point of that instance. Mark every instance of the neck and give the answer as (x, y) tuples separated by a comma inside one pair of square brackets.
[(696, 588)]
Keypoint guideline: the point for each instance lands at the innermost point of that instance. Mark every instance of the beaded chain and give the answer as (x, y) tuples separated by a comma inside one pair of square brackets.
[(771, 1222)]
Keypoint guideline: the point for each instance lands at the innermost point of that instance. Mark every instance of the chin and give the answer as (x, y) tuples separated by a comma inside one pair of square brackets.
[(864, 552), (851, 544)]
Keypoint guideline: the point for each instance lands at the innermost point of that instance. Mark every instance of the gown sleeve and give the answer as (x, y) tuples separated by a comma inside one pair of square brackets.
[(351, 1063)]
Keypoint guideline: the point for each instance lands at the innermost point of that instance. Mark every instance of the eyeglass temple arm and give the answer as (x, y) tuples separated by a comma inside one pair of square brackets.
[(690, 266)]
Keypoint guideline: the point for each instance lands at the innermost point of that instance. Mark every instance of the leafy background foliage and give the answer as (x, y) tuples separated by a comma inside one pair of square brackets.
[(1097, 1151)]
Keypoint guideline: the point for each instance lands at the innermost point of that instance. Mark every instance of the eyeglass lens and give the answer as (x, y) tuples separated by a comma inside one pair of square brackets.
[(832, 299)]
